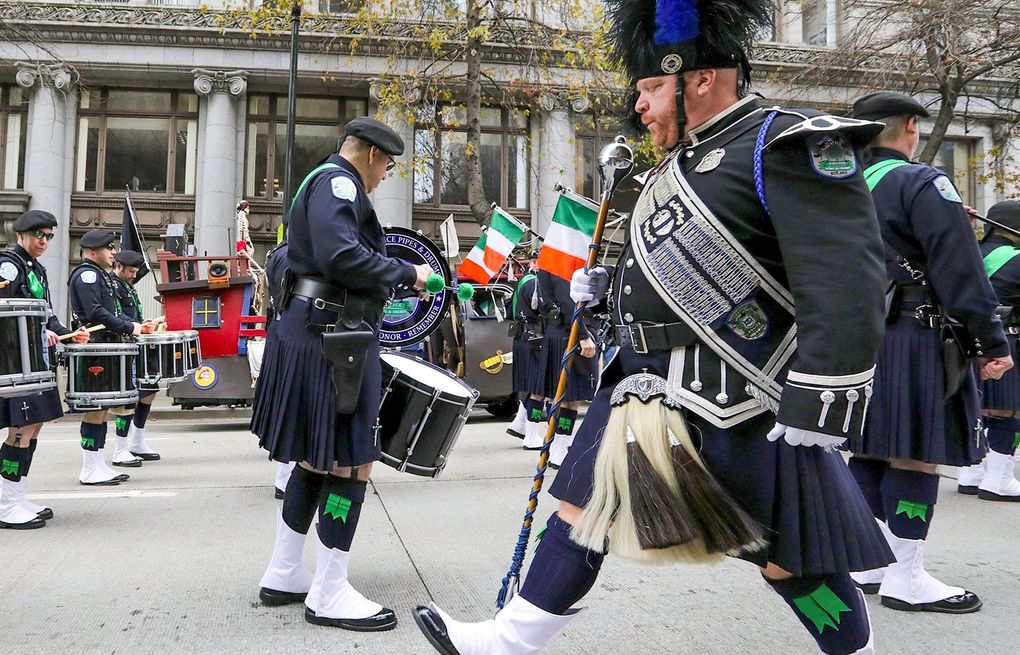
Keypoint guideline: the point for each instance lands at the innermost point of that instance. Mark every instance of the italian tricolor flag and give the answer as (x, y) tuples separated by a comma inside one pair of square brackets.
[(566, 245), (493, 247)]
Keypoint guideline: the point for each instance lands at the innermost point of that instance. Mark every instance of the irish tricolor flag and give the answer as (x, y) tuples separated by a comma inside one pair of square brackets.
[(566, 245), (493, 247)]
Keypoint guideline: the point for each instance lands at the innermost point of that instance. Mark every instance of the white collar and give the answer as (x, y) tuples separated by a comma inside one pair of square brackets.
[(701, 129)]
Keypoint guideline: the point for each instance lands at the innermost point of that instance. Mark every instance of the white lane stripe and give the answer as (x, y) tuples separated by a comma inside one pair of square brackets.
[(89, 495), (78, 440)]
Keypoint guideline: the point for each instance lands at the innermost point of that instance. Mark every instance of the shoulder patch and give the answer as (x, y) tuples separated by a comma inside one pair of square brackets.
[(8, 271), (946, 189), (344, 188), (832, 156), (89, 277)]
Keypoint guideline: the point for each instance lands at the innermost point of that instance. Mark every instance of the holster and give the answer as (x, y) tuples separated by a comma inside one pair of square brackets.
[(346, 345), (955, 358)]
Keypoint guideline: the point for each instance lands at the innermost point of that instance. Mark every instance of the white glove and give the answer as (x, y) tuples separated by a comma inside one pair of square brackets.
[(800, 437), (591, 287)]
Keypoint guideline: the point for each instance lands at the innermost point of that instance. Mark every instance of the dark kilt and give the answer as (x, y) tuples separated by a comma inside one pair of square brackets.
[(818, 521), (581, 377), (527, 370), (293, 414), (907, 416), (1004, 393), (42, 407)]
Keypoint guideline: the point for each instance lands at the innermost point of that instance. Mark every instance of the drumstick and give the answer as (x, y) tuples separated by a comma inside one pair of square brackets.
[(71, 335)]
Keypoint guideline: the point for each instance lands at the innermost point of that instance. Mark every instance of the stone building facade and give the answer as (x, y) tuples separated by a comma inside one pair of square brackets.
[(162, 99)]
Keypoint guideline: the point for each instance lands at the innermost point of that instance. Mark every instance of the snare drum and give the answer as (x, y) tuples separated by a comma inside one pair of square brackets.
[(165, 357), (192, 351), (421, 414), (100, 375), (24, 368)]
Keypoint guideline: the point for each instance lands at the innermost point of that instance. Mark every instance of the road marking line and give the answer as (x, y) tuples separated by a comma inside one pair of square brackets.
[(78, 440), (88, 495)]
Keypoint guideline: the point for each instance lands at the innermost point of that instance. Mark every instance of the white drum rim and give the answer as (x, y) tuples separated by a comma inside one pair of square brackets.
[(101, 349), (161, 337), (452, 385)]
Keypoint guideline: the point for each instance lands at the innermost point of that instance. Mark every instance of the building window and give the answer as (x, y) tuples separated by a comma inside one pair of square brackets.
[(317, 133), (340, 6), (13, 134), (591, 135), (440, 141), (145, 141), (809, 22)]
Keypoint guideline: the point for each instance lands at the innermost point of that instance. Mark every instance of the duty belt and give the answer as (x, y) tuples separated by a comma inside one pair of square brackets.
[(649, 337), (334, 299)]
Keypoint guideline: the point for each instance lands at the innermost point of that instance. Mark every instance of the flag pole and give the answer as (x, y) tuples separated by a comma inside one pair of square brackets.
[(616, 161), (138, 231)]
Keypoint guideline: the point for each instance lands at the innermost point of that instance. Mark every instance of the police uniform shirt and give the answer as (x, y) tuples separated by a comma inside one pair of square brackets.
[(1006, 280), (817, 237), (276, 266), (128, 297), (93, 297), (923, 220), (524, 295), (335, 235), (554, 295), (28, 279)]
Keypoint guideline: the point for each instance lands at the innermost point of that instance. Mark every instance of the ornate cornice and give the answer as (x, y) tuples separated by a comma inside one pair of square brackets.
[(31, 73), (551, 99), (210, 81)]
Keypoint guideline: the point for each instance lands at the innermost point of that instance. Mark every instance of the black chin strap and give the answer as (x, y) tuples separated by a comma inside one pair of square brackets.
[(681, 113)]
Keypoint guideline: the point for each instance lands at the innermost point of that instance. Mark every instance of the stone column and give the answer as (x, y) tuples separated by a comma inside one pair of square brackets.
[(393, 199), (49, 155), (556, 150), (217, 189)]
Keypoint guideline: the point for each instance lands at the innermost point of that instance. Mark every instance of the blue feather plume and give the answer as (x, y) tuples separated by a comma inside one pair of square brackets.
[(676, 21)]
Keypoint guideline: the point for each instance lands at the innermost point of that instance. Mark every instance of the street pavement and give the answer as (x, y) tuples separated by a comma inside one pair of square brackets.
[(169, 562)]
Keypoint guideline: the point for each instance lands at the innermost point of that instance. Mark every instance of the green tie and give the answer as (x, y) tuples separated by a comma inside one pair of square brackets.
[(35, 287)]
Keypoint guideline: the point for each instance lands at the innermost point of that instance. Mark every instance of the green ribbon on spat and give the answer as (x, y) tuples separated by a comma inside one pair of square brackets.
[(10, 466), (88, 442), (337, 507), (913, 510), (822, 607)]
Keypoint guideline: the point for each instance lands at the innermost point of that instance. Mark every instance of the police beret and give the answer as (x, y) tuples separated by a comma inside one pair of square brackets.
[(1007, 213), (378, 134), (129, 258), (34, 219), (98, 239), (883, 104)]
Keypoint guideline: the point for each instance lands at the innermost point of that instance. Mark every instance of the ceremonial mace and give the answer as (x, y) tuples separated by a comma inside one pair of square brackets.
[(616, 161)]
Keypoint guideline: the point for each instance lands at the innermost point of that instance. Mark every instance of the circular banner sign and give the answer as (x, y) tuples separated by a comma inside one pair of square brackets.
[(410, 319)]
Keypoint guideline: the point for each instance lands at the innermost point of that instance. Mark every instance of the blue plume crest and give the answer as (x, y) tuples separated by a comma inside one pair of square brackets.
[(676, 21)]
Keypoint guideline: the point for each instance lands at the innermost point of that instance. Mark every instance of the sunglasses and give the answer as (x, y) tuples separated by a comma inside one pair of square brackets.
[(39, 234), (392, 164)]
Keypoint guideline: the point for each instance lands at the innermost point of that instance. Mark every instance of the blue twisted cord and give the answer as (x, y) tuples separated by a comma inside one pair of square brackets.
[(759, 149), (512, 579)]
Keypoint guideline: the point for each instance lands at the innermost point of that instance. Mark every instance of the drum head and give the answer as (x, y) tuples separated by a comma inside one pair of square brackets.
[(428, 374), (407, 321)]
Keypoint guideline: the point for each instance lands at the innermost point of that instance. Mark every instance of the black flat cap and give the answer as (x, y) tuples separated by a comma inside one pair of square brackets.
[(883, 104), (1006, 212), (376, 133), (34, 219), (129, 258), (98, 239)]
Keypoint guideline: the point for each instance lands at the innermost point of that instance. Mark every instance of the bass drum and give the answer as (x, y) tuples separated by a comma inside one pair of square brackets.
[(409, 320)]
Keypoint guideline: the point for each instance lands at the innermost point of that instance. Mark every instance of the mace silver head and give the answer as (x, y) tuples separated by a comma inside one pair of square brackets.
[(616, 161)]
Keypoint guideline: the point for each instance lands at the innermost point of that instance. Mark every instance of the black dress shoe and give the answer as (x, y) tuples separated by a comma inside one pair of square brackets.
[(988, 495), (122, 477), (28, 525), (384, 620), (45, 513), (135, 463), (965, 603), (273, 597), (104, 483), (279, 493), (515, 433), (146, 457), (434, 629), (967, 490), (868, 588)]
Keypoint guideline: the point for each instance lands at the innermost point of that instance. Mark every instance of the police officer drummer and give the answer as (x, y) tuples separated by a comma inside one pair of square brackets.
[(93, 298), (925, 409), (339, 270), (24, 277), (131, 447)]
